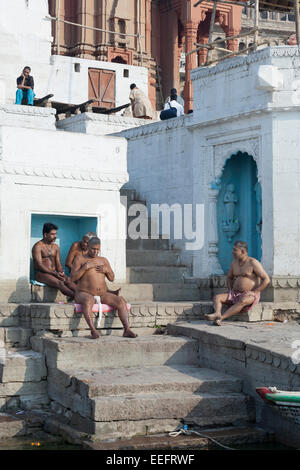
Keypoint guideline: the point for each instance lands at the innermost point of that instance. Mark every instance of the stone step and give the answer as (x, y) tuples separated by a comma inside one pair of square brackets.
[(148, 244), (230, 436), (160, 292), (133, 292), (153, 258), (141, 414), (64, 384), (155, 274), (202, 409), (43, 316), (22, 366), (15, 336), (9, 314), (114, 351), (11, 426)]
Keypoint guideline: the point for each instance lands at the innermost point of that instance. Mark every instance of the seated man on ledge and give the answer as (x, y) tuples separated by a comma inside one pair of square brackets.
[(25, 86), (47, 265), (245, 280), (89, 272)]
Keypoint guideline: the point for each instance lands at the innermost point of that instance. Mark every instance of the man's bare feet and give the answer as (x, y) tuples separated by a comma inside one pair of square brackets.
[(217, 322), (129, 334), (94, 334), (213, 316)]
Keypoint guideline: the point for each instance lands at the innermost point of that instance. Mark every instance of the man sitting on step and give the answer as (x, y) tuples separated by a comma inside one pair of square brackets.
[(25, 86), (47, 265), (245, 280), (89, 272)]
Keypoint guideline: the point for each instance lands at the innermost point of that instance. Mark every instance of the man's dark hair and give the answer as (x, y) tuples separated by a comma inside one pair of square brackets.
[(27, 67), (242, 245), (94, 241), (48, 227), (173, 97), (132, 86)]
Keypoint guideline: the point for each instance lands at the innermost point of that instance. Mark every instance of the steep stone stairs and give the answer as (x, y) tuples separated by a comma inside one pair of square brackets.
[(117, 387), (154, 270)]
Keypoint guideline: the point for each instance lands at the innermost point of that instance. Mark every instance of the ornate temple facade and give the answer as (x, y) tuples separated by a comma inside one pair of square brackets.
[(154, 34)]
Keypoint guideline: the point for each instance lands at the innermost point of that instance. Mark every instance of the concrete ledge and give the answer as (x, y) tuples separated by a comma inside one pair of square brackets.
[(260, 354)]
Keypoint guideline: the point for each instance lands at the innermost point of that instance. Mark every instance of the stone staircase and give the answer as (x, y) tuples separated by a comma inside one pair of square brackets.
[(23, 373), (154, 271), (117, 387)]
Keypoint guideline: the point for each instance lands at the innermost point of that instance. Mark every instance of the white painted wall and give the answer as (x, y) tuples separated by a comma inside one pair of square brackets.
[(248, 103), (25, 39), (70, 86), (99, 124), (61, 174)]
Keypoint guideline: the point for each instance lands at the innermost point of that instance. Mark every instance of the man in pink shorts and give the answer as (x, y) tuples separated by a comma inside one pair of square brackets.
[(245, 280)]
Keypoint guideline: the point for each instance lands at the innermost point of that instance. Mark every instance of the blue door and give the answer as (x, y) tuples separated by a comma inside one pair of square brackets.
[(70, 229), (239, 208)]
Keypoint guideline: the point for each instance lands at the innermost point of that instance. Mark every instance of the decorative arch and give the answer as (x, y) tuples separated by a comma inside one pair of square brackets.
[(238, 207)]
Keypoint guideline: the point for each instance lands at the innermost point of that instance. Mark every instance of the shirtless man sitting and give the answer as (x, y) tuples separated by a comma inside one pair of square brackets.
[(89, 272), (47, 265), (245, 281), (78, 248)]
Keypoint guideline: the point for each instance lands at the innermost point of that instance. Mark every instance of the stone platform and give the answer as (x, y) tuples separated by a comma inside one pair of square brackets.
[(261, 354)]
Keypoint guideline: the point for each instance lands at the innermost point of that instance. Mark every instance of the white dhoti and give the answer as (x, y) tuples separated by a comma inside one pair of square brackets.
[(100, 309)]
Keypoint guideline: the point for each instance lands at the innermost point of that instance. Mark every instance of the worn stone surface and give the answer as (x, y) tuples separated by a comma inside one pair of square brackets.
[(9, 314), (11, 426), (119, 352), (261, 354), (23, 366), (150, 379), (229, 436), (204, 409)]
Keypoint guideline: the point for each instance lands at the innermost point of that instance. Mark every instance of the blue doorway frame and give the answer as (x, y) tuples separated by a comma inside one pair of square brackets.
[(70, 229), (239, 208)]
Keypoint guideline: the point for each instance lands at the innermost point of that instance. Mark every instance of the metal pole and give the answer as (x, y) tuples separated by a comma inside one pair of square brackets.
[(91, 27), (139, 31), (297, 20), (256, 16), (58, 28), (211, 28)]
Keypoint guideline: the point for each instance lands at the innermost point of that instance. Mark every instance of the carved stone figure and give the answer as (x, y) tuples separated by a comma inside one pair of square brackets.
[(230, 224)]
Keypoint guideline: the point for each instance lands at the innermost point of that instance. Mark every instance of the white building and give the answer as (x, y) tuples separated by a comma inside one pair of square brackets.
[(238, 153), (25, 40)]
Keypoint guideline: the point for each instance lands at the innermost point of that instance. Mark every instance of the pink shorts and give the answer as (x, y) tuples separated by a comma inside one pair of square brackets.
[(235, 296)]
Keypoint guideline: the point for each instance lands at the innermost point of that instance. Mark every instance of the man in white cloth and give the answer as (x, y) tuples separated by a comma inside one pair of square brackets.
[(173, 103), (141, 106)]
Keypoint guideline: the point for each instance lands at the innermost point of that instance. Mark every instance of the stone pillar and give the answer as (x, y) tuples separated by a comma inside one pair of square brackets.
[(152, 90), (214, 267), (190, 63), (232, 44), (85, 37)]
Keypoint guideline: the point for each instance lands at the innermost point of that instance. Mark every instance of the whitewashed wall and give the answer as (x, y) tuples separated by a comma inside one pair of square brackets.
[(25, 39), (57, 173), (70, 86), (250, 104)]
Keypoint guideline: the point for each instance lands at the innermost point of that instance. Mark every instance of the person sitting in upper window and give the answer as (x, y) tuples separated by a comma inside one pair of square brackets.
[(25, 86)]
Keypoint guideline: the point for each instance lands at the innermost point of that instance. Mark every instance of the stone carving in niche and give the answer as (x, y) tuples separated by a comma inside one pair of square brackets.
[(230, 224), (257, 189)]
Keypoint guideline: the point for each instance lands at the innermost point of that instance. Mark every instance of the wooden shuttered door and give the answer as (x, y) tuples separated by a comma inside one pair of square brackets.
[(102, 87)]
